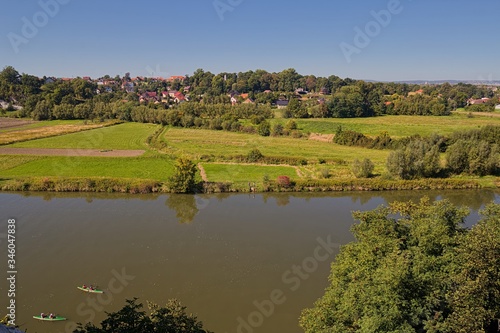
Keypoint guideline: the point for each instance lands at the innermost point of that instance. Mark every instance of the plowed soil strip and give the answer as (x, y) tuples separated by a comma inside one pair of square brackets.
[(70, 152)]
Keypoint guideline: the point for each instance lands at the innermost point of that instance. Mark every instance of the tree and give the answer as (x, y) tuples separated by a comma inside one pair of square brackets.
[(394, 277), (183, 180), (349, 102), (172, 318), (10, 76), (417, 159), (475, 299)]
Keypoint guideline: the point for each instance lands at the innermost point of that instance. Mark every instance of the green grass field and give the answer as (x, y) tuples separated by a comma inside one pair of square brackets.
[(122, 136), (156, 168), (197, 142), (245, 173), (396, 126)]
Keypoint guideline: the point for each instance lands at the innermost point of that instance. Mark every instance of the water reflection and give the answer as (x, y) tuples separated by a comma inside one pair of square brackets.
[(187, 207), (184, 206)]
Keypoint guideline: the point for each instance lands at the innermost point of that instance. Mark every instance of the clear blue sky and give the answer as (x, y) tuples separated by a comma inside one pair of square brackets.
[(425, 39)]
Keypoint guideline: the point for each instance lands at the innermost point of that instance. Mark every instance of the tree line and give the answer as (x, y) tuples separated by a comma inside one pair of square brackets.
[(331, 96), (473, 152)]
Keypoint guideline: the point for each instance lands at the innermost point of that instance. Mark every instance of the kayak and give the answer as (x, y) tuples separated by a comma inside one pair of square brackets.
[(95, 291), (57, 318)]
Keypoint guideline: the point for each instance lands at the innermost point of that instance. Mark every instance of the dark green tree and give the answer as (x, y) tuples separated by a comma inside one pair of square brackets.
[(395, 276), (417, 159), (171, 318), (475, 296)]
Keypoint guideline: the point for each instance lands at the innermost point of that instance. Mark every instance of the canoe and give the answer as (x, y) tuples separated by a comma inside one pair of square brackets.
[(95, 291), (57, 318)]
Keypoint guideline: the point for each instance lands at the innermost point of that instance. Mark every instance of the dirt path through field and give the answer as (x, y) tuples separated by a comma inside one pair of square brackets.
[(70, 152), (479, 114), (203, 173), (321, 137)]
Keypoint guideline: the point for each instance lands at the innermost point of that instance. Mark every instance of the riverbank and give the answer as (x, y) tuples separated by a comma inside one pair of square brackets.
[(134, 186)]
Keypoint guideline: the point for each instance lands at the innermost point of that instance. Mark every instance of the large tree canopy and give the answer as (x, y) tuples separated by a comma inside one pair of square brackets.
[(413, 268)]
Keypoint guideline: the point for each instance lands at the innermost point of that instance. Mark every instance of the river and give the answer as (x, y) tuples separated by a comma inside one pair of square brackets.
[(240, 263)]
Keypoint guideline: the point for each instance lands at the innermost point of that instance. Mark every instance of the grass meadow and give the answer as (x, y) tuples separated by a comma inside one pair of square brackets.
[(44, 129), (396, 126), (218, 146), (238, 173), (122, 136)]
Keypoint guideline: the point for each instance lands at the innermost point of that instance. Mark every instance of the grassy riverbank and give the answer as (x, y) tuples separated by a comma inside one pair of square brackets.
[(311, 164)]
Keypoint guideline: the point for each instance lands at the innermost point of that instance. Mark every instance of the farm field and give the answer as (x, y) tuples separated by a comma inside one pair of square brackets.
[(126, 137), (218, 172), (155, 168), (122, 136), (211, 149), (10, 132), (396, 126), (199, 142)]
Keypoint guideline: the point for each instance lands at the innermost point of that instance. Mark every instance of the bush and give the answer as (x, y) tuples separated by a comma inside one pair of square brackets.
[(254, 156), (296, 134), (291, 125), (283, 181), (264, 128), (324, 173), (257, 119), (363, 169), (277, 130)]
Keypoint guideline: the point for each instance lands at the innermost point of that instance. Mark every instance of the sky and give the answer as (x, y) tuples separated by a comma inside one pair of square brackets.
[(383, 40)]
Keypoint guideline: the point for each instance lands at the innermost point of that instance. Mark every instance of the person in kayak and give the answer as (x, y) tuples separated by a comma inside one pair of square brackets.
[(52, 316), (85, 287), (43, 315)]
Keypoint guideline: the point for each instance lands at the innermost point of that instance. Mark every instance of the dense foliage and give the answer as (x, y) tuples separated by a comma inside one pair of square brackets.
[(171, 318), (184, 178), (211, 97), (414, 268)]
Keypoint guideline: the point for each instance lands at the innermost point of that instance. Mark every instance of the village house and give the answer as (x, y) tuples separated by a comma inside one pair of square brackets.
[(176, 78), (248, 101), (324, 91), (148, 97), (418, 92), (483, 100), (282, 103), (128, 87)]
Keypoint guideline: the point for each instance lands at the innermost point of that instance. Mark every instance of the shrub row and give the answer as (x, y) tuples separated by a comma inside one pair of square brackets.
[(82, 185)]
